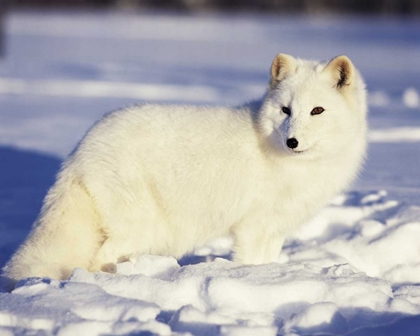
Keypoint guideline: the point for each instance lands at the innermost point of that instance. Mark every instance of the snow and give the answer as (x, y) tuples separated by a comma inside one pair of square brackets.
[(354, 269), (397, 134), (411, 98), (85, 88)]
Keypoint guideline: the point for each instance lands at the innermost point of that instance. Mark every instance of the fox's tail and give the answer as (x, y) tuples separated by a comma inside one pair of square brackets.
[(66, 235)]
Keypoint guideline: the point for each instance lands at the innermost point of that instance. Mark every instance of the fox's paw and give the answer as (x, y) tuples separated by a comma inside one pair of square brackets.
[(109, 268)]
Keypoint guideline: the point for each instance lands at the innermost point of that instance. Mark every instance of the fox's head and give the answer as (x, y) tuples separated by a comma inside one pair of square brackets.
[(314, 109)]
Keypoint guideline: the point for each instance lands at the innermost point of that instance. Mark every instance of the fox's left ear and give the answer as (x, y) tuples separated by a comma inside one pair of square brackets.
[(282, 65), (341, 70)]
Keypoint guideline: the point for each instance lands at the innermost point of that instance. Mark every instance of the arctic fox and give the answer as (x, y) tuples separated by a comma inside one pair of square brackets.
[(161, 179)]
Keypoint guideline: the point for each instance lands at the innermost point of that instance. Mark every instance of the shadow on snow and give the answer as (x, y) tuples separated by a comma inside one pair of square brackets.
[(25, 177)]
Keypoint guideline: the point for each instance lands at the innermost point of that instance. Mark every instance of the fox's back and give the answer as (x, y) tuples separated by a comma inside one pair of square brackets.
[(199, 163)]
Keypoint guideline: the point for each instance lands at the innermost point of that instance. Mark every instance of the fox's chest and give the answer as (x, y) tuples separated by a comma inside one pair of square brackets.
[(303, 188)]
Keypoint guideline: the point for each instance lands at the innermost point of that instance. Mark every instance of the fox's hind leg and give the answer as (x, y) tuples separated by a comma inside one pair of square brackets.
[(112, 251), (131, 236)]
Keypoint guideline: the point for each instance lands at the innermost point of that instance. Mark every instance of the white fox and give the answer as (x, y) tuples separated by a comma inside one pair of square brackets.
[(161, 179)]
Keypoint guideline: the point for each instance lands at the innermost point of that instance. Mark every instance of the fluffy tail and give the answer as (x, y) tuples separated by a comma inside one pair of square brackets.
[(66, 235)]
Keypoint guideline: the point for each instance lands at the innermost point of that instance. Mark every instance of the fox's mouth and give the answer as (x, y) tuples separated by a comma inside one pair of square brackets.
[(297, 152), (303, 151)]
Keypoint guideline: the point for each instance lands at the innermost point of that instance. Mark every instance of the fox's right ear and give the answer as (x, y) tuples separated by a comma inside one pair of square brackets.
[(281, 66), (341, 70)]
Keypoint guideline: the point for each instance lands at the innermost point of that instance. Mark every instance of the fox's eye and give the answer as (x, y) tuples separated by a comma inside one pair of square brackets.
[(286, 110), (317, 110)]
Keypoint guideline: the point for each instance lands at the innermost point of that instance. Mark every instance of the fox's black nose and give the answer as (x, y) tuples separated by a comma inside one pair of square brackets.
[(292, 143)]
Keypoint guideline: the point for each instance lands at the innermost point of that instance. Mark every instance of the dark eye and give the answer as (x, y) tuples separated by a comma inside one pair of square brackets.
[(317, 110), (286, 110)]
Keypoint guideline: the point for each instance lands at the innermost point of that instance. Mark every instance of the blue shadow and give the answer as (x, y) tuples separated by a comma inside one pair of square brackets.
[(25, 177)]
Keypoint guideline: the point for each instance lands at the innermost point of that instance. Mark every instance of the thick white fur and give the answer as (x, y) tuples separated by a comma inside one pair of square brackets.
[(162, 179)]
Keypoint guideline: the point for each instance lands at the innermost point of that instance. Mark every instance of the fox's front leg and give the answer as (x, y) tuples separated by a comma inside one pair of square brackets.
[(254, 244)]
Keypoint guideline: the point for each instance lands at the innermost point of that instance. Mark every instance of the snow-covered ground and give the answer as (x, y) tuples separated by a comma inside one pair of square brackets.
[(353, 270)]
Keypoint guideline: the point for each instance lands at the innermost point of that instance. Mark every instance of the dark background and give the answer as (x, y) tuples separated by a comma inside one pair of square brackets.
[(287, 6)]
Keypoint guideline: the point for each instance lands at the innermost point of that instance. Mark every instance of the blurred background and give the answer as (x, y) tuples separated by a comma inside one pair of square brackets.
[(285, 6), (64, 63), (377, 7)]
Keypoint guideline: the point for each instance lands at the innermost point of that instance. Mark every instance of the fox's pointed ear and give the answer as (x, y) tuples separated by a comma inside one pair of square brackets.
[(341, 70), (281, 66)]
